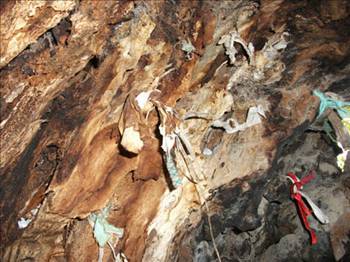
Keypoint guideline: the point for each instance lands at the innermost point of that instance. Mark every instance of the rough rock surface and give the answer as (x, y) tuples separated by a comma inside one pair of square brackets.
[(262, 224), (70, 75)]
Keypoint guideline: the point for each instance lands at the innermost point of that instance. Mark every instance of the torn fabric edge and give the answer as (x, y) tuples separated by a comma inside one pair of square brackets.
[(23, 222), (298, 195), (328, 102), (188, 48), (143, 98), (253, 118), (172, 170), (343, 110), (229, 40), (168, 142), (103, 231), (341, 158)]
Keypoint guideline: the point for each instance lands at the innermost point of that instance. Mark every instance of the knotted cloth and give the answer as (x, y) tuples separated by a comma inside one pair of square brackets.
[(304, 211)]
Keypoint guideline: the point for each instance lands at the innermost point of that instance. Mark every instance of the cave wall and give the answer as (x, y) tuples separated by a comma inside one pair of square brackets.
[(70, 71), (262, 223)]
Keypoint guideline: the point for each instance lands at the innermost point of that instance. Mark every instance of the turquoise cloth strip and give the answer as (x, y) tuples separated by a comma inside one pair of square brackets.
[(171, 167), (103, 231), (327, 102)]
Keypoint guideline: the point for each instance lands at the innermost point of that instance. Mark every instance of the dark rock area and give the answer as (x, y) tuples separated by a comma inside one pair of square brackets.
[(262, 223)]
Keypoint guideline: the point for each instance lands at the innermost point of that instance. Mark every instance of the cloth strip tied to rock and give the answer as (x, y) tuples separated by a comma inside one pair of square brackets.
[(304, 211)]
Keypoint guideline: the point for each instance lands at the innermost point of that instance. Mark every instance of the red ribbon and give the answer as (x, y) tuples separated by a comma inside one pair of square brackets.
[(303, 209)]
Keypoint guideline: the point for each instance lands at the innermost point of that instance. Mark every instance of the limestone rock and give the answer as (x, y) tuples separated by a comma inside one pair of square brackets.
[(74, 138)]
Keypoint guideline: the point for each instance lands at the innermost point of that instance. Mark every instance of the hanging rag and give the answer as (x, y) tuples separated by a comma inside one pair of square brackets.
[(343, 110), (172, 170), (167, 129), (328, 102), (304, 211), (103, 231)]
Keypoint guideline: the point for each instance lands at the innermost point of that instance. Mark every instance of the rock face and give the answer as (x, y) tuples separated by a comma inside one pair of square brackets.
[(132, 107), (262, 223)]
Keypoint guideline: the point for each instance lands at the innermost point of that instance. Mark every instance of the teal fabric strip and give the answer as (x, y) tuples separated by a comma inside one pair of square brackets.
[(171, 167), (103, 231), (328, 102)]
